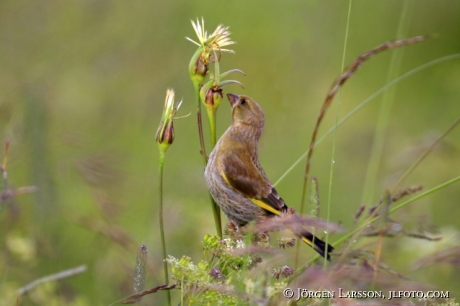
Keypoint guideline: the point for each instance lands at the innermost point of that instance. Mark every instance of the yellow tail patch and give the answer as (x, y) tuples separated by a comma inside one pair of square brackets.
[(309, 242)]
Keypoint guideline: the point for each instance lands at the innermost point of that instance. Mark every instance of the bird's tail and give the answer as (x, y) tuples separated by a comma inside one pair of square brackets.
[(317, 244)]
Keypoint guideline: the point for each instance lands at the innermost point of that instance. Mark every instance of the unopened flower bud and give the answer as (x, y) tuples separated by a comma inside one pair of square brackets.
[(165, 132), (165, 135), (201, 68), (209, 98), (197, 67), (213, 97)]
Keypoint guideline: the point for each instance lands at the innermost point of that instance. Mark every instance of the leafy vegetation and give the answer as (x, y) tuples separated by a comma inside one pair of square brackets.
[(82, 93)]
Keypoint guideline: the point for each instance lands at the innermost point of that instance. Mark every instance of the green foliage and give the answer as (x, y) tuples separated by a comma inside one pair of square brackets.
[(82, 89), (447, 302), (217, 281)]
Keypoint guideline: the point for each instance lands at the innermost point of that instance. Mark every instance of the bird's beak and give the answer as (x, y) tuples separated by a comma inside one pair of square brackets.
[(232, 98)]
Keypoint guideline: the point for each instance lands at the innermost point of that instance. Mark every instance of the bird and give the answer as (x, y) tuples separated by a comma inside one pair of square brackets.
[(235, 178)]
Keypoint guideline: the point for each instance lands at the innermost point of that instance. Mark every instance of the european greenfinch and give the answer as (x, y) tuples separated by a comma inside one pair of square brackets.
[(235, 178)]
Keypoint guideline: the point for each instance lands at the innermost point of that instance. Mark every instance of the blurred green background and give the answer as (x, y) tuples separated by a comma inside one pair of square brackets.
[(81, 95)]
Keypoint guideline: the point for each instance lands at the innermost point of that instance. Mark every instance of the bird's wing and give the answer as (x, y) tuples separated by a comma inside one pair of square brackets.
[(247, 179)]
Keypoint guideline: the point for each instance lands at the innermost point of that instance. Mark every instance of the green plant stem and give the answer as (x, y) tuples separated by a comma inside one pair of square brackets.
[(367, 101), (212, 124), (182, 292), (425, 154), (162, 230), (375, 159), (217, 219), (331, 172), (403, 204), (371, 219), (334, 141), (215, 207)]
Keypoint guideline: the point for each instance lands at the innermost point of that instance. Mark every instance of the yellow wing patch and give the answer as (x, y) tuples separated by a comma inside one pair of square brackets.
[(265, 206), (259, 203), (224, 177)]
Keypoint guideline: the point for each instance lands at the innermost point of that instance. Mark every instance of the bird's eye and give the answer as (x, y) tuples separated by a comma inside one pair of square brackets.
[(243, 102)]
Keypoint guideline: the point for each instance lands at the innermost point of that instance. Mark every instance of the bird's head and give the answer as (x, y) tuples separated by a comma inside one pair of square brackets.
[(246, 111)]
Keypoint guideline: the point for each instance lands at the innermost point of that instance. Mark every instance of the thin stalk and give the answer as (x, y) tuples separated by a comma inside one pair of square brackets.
[(443, 185), (200, 122), (336, 85), (162, 230), (212, 125), (352, 235), (182, 292), (388, 98), (336, 125), (371, 219), (387, 211), (425, 154), (367, 101), (215, 207), (53, 277), (217, 219), (375, 159)]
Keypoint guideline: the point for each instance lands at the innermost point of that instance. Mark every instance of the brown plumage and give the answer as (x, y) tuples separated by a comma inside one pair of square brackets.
[(235, 178)]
